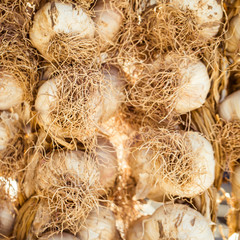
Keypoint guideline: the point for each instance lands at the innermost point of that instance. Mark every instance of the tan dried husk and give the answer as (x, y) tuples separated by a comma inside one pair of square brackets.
[(17, 57), (145, 39), (73, 197)]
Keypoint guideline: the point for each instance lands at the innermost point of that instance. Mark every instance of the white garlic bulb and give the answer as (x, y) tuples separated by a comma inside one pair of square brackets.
[(7, 217), (100, 225), (108, 20), (208, 14), (233, 35), (59, 236), (193, 93), (11, 93), (146, 167), (55, 18), (172, 221), (229, 109)]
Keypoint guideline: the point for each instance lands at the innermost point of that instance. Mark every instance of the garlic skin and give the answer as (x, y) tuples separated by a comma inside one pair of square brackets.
[(59, 236), (54, 18), (233, 35), (11, 93), (4, 137), (208, 14), (155, 185), (193, 93), (107, 161), (7, 217), (229, 109), (175, 221), (108, 20), (108, 100), (100, 225)]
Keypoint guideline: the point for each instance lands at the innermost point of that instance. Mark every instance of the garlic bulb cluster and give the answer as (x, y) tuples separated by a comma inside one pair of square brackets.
[(196, 85), (208, 14), (108, 20), (156, 174), (56, 18), (7, 217), (229, 109), (171, 221), (11, 92), (233, 35), (100, 225)]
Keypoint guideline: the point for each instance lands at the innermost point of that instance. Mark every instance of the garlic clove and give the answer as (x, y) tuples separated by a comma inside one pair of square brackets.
[(233, 35), (100, 225), (108, 20), (229, 109), (56, 17), (208, 14), (7, 217), (193, 93), (11, 93)]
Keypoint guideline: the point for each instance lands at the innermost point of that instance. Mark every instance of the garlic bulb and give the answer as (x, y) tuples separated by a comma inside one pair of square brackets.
[(11, 93), (193, 93), (107, 161), (4, 137), (100, 225), (208, 14), (229, 109), (156, 173), (102, 101), (173, 221), (233, 35), (59, 236), (7, 217), (108, 20), (56, 18)]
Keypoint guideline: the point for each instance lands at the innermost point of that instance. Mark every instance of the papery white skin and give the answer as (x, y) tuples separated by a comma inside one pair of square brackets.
[(54, 18), (229, 109), (154, 185), (106, 157), (173, 221), (193, 93), (59, 236), (208, 14), (100, 225), (236, 182), (233, 35), (7, 217), (108, 20), (11, 93)]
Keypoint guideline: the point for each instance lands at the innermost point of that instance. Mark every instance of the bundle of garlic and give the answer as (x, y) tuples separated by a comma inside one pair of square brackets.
[(11, 145), (171, 163), (171, 221), (77, 101), (100, 225)]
